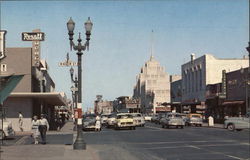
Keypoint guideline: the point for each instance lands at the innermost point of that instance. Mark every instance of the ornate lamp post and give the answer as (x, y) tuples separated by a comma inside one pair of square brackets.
[(248, 76), (79, 142)]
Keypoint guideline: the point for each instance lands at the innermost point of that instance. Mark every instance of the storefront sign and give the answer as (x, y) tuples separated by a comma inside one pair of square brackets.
[(33, 36), (2, 44)]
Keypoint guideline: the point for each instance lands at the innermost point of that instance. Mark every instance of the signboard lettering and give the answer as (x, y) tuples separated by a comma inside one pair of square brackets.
[(33, 36)]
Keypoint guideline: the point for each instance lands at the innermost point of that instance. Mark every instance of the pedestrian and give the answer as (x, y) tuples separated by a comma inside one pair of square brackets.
[(20, 121), (43, 128), (34, 127), (98, 123)]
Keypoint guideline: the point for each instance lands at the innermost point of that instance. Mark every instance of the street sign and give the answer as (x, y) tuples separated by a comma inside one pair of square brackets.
[(33, 36), (67, 63)]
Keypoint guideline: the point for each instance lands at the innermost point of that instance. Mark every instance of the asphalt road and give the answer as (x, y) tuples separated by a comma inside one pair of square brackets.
[(155, 143)]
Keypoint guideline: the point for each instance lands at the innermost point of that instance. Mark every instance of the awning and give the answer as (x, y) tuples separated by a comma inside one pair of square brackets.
[(8, 84), (52, 98), (232, 102)]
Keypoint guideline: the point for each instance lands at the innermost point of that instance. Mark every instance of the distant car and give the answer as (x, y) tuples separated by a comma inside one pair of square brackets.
[(158, 119), (6, 129), (138, 119), (111, 120), (104, 119), (147, 117), (194, 119), (89, 122), (172, 119), (154, 117), (124, 120), (237, 123)]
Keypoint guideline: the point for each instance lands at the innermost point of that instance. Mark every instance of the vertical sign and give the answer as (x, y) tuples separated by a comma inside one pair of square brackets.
[(36, 51), (2, 44), (224, 85)]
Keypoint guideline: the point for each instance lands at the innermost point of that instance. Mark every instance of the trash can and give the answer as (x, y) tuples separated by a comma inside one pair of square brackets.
[(210, 121)]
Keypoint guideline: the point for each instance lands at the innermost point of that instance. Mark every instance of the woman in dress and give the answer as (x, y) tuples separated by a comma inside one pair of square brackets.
[(98, 123), (34, 127)]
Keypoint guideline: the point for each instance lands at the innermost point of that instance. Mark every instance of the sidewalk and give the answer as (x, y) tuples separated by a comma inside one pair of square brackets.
[(49, 151)]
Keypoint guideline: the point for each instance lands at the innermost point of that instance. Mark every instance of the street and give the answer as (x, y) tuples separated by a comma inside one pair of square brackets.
[(153, 143)]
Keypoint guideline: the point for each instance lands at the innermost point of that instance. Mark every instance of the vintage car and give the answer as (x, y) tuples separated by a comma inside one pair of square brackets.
[(111, 120), (104, 119), (88, 122), (6, 129), (147, 117), (159, 117), (172, 119), (124, 120), (138, 119), (194, 119), (237, 123)]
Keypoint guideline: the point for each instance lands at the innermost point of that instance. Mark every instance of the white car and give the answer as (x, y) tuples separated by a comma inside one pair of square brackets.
[(111, 120), (138, 119), (104, 119), (147, 117), (6, 129)]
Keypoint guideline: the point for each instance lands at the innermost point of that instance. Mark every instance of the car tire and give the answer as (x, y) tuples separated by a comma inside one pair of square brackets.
[(133, 128), (231, 127), (200, 125), (238, 129), (182, 127), (162, 126)]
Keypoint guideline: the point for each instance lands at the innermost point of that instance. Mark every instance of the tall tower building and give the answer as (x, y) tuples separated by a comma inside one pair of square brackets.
[(152, 86)]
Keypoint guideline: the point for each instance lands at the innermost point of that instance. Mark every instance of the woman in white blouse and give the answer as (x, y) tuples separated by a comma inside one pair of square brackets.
[(34, 127)]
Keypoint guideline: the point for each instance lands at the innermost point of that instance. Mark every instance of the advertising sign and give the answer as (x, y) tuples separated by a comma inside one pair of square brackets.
[(78, 113), (2, 44), (33, 36)]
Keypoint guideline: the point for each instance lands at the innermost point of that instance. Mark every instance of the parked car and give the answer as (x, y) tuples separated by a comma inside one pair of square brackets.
[(89, 122), (237, 123), (6, 129), (138, 119), (124, 120), (104, 119), (111, 120), (172, 119), (194, 119)]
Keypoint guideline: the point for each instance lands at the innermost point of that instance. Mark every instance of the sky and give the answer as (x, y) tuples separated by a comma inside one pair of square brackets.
[(121, 37)]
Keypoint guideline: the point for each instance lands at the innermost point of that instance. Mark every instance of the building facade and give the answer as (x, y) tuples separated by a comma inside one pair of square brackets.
[(103, 106), (35, 93), (152, 87), (203, 71)]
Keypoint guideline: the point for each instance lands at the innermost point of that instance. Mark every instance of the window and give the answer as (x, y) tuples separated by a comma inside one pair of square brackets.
[(3, 68)]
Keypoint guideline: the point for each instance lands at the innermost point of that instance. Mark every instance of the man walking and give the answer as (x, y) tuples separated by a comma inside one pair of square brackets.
[(20, 121), (44, 126)]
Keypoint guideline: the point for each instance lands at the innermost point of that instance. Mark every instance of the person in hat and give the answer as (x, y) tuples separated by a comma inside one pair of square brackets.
[(34, 127), (43, 128)]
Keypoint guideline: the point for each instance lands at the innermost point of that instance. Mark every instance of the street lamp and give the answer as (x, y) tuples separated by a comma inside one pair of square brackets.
[(247, 77), (79, 142), (74, 89)]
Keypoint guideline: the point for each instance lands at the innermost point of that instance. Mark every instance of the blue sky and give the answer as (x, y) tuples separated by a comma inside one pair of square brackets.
[(120, 40)]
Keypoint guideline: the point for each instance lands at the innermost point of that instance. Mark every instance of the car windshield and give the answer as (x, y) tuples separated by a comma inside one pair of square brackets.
[(112, 116), (136, 115), (124, 116)]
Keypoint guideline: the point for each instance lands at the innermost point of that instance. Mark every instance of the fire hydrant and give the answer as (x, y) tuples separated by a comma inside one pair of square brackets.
[(210, 121)]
